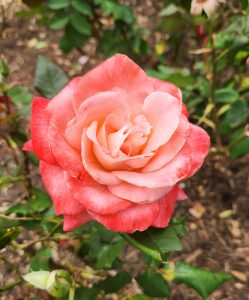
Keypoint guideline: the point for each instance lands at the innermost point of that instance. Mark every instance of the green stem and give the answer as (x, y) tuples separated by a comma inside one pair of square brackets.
[(213, 88), (50, 219), (72, 292), (10, 285)]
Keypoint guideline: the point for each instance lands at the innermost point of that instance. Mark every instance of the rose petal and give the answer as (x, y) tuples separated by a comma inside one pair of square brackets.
[(75, 221), (181, 195), (199, 142), (64, 100), (163, 86), (137, 194), (162, 111), (116, 72), (114, 163), (54, 179), (67, 157), (92, 166), (96, 197), (97, 107), (166, 209), (137, 217), (39, 130), (28, 146), (171, 148), (174, 171)]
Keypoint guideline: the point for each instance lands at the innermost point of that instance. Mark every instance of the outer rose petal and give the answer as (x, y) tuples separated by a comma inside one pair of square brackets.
[(116, 72), (196, 8), (28, 146), (96, 197), (137, 194), (210, 6), (166, 208), (39, 130), (64, 100), (138, 217), (66, 156), (199, 142), (75, 221), (55, 182), (181, 195), (163, 86)]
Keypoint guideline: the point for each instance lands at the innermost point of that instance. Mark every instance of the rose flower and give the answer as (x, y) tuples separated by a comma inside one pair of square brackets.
[(114, 145)]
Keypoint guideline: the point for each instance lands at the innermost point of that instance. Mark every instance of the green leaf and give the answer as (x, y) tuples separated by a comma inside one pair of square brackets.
[(21, 97), (19, 209), (58, 4), (169, 10), (87, 293), (107, 255), (119, 12), (82, 7), (39, 200), (138, 297), (240, 148), (113, 284), (203, 281), (153, 284), (41, 260), (71, 39), (226, 95), (7, 235), (59, 21), (244, 4), (4, 68), (81, 24), (237, 114), (157, 242), (49, 78)]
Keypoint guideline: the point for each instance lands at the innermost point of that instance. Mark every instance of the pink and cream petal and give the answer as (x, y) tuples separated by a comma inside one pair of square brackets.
[(162, 111), (97, 107), (174, 171), (54, 179), (92, 166), (137, 194), (168, 151)]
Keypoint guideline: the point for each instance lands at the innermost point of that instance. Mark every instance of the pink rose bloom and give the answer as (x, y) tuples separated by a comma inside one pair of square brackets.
[(209, 6), (114, 145)]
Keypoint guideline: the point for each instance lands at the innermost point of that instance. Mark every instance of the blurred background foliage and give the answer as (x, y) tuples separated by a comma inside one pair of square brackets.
[(207, 58)]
